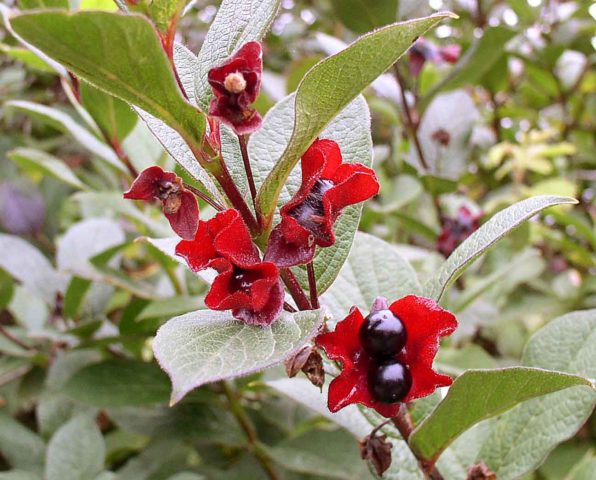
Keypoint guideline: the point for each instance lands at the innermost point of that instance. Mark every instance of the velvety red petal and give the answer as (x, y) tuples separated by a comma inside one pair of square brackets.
[(146, 185), (242, 120), (425, 322), (343, 343), (270, 311), (354, 183), (186, 220), (199, 252), (290, 244), (231, 238), (323, 152)]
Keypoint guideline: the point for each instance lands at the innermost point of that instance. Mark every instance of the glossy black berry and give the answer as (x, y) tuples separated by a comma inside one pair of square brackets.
[(382, 335), (389, 382)]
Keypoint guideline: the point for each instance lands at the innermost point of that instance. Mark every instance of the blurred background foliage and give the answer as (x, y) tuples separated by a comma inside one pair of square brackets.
[(501, 106)]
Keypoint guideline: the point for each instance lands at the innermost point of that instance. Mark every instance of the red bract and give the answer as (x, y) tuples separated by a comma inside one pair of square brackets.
[(424, 51), (179, 205), (424, 321), (249, 287), (236, 85), (328, 186), (456, 230)]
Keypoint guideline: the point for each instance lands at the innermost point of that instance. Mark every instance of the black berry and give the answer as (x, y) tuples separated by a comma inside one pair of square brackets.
[(382, 335), (389, 382)]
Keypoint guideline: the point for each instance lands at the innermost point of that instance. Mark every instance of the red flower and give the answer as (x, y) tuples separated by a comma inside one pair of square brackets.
[(236, 85), (179, 205), (424, 51), (456, 230), (328, 186), (424, 322), (249, 287)]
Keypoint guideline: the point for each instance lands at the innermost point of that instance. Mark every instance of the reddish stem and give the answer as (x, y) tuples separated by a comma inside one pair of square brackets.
[(205, 197), (295, 289), (312, 285), (248, 169), (404, 425)]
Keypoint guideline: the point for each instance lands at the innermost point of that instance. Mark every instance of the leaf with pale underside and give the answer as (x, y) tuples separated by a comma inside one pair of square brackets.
[(351, 130), (38, 160), (331, 85), (485, 237), (207, 346), (480, 394), (521, 439), (236, 23), (66, 123), (120, 54)]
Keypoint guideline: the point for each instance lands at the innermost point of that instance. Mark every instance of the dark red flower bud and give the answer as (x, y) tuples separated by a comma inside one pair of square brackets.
[(236, 84), (328, 186), (179, 205), (425, 322), (456, 230), (249, 287), (424, 51)]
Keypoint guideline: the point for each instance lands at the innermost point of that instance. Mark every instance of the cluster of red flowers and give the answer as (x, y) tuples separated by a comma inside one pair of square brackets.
[(387, 356)]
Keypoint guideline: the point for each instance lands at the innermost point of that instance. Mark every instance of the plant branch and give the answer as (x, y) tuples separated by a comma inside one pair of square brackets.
[(404, 425), (248, 169), (295, 289), (249, 430), (410, 124), (312, 285), (14, 339), (122, 156), (205, 197)]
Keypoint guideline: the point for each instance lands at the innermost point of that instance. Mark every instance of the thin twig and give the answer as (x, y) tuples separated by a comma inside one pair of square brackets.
[(410, 124), (404, 425), (14, 339), (295, 289), (289, 308), (312, 285), (249, 431), (204, 196), (121, 154), (248, 169)]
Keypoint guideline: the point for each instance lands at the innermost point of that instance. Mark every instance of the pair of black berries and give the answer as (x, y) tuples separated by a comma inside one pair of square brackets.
[(383, 336)]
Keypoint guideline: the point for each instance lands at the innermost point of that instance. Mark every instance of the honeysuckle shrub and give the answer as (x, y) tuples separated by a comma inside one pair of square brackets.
[(266, 239)]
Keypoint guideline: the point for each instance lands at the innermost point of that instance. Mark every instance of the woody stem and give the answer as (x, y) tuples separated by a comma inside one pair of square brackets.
[(249, 430), (246, 160), (295, 289), (404, 425), (312, 285), (410, 124)]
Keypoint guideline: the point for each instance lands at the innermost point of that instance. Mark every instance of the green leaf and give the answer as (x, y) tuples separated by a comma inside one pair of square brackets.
[(373, 269), (30, 4), (186, 66), (362, 16), (74, 296), (404, 466), (522, 438), (236, 23), (351, 130), (164, 12), (21, 448), (480, 394), (30, 267), (37, 160), (65, 123), (114, 117), (206, 346), (322, 454), (120, 54), (19, 475), (331, 85), (119, 383), (485, 237), (478, 60), (76, 451)]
